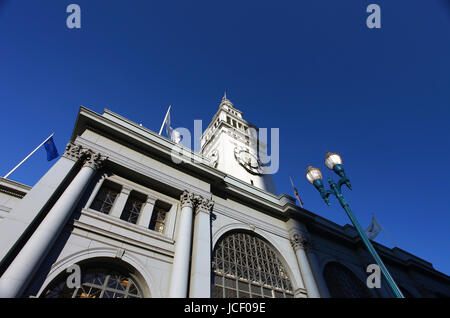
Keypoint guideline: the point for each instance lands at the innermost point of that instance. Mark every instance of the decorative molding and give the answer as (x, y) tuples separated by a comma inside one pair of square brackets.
[(244, 218), (187, 199), (5, 208), (203, 205), (120, 252), (94, 160), (161, 245), (73, 152), (299, 240)]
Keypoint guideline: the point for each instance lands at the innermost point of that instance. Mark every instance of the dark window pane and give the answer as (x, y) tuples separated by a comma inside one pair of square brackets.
[(132, 209), (104, 200), (157, 223)]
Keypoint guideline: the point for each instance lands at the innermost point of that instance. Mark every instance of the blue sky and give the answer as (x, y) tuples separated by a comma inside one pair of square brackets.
[(311, 68)]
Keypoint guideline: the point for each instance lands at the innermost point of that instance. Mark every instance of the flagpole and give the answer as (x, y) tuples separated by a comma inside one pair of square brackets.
[(164, 121), (296, 192), (7, 175), (390, 238)]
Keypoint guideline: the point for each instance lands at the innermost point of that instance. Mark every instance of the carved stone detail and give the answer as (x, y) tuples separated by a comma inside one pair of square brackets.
[(187, 199), (73, 152), (299, 240), (94, 160), (204, 205)]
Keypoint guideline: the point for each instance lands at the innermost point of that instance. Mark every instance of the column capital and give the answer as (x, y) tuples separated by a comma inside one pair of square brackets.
[(187, 199), (73, 152), (299, 241), (203, 205), (94, 160)]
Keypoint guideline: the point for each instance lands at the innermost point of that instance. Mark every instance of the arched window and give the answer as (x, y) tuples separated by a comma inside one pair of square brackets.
[(245, 266), (342, 283), (96, 282)]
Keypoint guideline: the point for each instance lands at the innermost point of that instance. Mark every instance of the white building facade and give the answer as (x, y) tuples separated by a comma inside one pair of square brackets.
[(139, 225)]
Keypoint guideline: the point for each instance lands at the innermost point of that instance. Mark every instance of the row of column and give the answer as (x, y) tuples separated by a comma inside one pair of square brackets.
[(191, 271), (20, 272), (199, 243), (192, 249)]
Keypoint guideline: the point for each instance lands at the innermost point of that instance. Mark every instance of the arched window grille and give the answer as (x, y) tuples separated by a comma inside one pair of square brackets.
[(343, 283), (95, 283), (245, 266)]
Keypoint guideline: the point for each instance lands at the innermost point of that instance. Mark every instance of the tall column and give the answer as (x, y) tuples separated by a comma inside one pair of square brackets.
[(121, 200), (29, 207), (200, 283), (147, 212), (180, 268), (21, 270), (95, 190), (311, 251), (299, 243)]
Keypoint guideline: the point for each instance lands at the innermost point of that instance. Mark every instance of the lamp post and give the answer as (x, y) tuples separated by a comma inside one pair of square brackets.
[(334, 162)]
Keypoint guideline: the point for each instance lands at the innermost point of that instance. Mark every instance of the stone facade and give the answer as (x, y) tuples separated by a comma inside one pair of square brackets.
[(116, 200)]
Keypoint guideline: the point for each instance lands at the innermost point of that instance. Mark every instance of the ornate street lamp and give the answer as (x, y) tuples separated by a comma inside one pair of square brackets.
[(334, 162)]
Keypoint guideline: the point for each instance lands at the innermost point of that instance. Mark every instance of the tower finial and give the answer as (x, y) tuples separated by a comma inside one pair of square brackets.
[(224, 96)]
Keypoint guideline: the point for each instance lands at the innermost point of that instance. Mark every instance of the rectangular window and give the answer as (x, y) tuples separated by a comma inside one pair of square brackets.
[(132, 209), (104, 200), (159, 216)]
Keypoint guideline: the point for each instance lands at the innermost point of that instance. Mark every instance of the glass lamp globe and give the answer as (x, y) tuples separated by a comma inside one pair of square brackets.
[(332, 159), (313, 174)]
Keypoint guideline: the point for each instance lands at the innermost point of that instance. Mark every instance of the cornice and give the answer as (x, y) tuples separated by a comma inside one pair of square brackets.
[(279, 206), (13, 188)]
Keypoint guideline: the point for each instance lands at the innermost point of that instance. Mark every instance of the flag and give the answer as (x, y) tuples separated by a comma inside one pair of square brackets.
[(174, 135), (50, 147), (296, 193), (373, 229)]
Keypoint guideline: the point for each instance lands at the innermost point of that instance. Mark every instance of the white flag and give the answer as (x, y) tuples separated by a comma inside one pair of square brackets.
[(373, 229), (174, 135)]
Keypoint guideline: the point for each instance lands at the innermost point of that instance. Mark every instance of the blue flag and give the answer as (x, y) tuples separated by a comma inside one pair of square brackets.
[(52, 152)]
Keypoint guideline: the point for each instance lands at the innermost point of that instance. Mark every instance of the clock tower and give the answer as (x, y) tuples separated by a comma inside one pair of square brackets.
[(231, 144)]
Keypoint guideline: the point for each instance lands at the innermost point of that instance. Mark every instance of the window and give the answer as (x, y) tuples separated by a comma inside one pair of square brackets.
[(228, 120), (157, 223), (245, 266), (132, 208), (104, 200), (342, 283), (96, 283)]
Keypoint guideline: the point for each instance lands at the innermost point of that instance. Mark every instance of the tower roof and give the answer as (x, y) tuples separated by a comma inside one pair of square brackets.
[(226, 101)]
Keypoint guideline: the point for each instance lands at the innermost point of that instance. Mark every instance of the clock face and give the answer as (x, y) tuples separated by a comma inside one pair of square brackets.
[(249, 161)]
